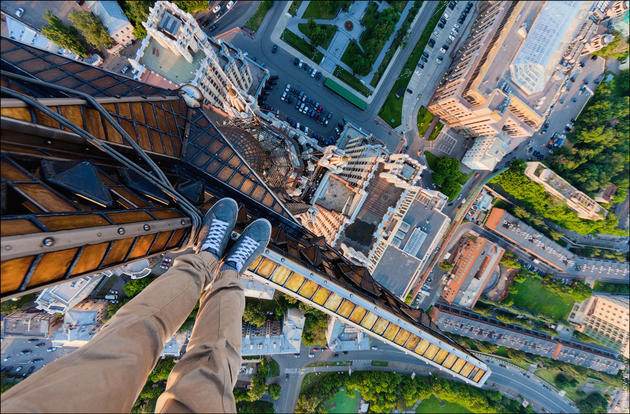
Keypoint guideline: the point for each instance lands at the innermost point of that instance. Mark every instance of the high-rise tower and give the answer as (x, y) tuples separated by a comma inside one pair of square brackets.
[(99, 170)]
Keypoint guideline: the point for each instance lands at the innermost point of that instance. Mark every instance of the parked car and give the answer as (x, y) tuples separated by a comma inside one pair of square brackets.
[(431, 42), (216, 8), (274, 48), (19, 12), (212, 28), (439, 59), (26, 352), (51, 349), (229, 5), (124, 69), (36, 360)]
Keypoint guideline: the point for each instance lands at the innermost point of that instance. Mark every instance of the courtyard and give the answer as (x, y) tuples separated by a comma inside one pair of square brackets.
[(352, 40)]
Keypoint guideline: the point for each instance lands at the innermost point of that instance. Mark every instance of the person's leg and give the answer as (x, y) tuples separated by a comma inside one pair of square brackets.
[(203, 380), (108, 373)]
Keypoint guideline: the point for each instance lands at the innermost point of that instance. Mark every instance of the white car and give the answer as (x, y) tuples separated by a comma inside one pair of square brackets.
[(19, 12), (311, 355), (216, 8), (229, 5)]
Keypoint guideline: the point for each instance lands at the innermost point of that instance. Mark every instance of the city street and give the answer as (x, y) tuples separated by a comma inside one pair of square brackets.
[(504, 375)]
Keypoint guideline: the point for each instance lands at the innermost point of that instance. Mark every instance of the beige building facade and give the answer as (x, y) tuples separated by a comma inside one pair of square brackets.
[(604, 318), (508, 71)]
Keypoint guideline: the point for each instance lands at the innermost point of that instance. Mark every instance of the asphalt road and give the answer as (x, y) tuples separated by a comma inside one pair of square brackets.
[(509, 377)]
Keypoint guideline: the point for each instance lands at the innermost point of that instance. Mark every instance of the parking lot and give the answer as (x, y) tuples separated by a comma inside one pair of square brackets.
[(287, 109), (16, 365)]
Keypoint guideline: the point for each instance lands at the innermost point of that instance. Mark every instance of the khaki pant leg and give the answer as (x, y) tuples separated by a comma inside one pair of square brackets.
[(108, 373), (203, 380)]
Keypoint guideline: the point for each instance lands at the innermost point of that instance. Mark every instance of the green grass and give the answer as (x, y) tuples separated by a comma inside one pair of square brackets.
[(351, 80), (424, 120), (432, 405), (391, 110), (324, 9), (342, 402), (436, 131), (302, 46), (380, 363), (257, 18), (330, 364), (294, 7), (533, 295), (329, 29)]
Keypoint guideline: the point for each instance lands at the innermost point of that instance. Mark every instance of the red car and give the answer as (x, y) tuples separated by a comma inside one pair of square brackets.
[(476, 175)]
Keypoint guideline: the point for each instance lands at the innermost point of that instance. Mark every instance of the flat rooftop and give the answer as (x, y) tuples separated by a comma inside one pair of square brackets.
[(335, 194), (395, 269), (173, 67), (473, 325), (526, 237)]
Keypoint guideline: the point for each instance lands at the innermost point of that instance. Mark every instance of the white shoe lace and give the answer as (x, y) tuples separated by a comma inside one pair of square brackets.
[(215, 235), (244, 250)]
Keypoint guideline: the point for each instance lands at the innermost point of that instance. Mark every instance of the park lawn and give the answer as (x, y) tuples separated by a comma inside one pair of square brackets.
[(391, 111), (424, 120), (533, 295), (432, 405), (342, 403), (302, 46), (257, 18), (436, 131), (323, 9), (329, 29), (352, 81)]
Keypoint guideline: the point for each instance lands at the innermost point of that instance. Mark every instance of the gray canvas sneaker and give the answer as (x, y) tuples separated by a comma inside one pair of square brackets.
[(250, 244), (217, 227)]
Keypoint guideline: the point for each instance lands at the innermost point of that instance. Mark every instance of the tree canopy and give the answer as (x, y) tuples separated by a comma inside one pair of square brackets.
[(536, 204), (446, 174), (64, 36), (91, 28), (254, 314), (599, 154), (137, 12)]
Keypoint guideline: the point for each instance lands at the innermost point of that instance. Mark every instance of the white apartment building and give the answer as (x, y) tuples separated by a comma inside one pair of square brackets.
[(274, 337), (342, 337), (177, 52), (61, 298), (486, 152), (114, 20)]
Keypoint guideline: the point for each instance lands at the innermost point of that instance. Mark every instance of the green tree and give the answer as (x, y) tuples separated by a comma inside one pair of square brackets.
[(315, 326), (254, 314), (135, 286), (64, 36), (446, 266), (137, 11), (192, 6), (509, 260), (274, 391), (21, 303), (91, 28), (162, 370)]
